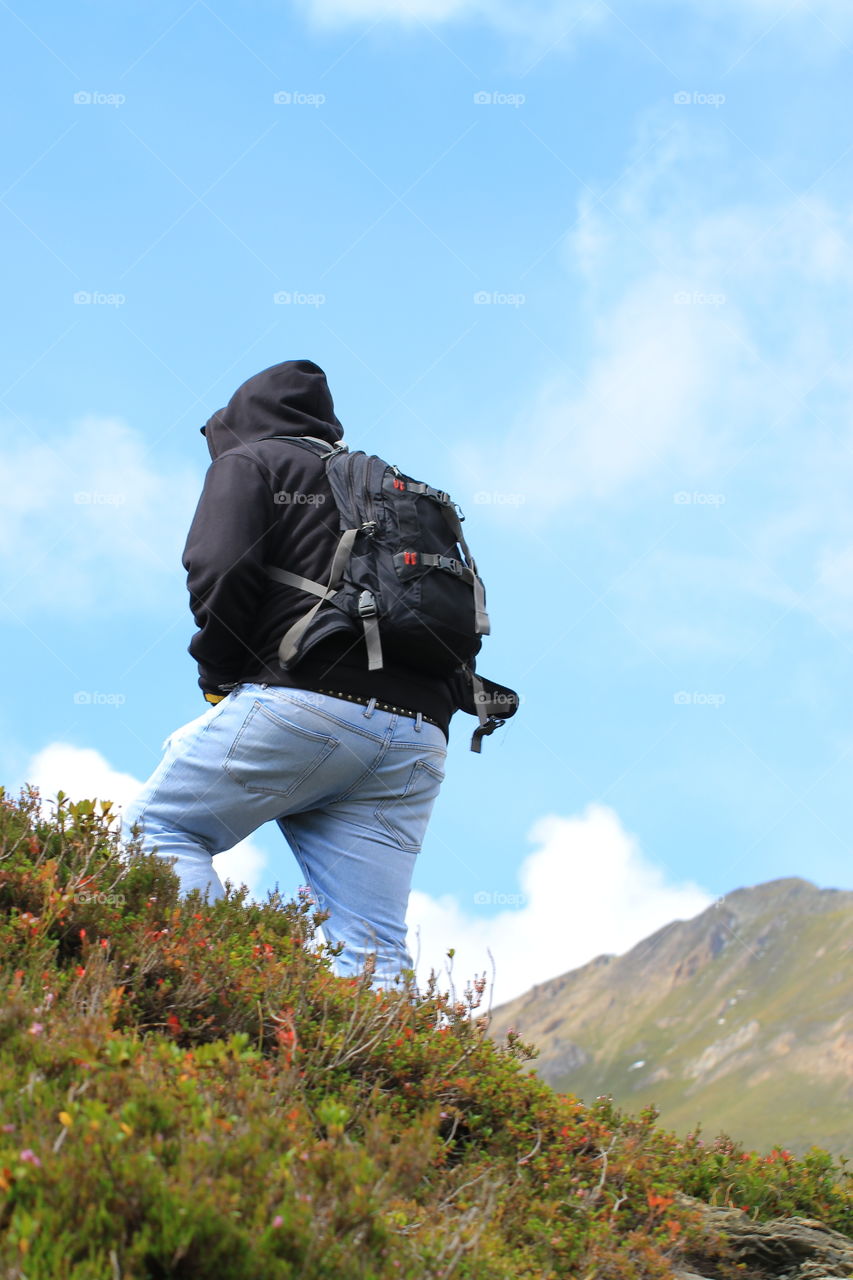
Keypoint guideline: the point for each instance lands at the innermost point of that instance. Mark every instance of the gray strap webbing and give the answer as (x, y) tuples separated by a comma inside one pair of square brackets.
[(290, 639), (440, 496), (434, 561), (295, 580), (480, 703), (481, 618), (489, 721), (337, 447), (446, 562), (374, 644), (480, 698), (367, 611)]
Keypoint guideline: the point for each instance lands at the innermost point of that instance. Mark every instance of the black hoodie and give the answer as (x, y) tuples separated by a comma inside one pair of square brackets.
[(268, 501)]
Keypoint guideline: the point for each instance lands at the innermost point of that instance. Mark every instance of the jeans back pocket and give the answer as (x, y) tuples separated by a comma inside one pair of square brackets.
[(274, 755), (405, 816)]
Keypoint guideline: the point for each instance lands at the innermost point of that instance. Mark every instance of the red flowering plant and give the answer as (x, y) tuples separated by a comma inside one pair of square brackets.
[(188, 1090)]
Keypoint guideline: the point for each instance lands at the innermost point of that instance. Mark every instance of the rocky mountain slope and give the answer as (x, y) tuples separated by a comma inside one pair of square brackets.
[(740, 1019)]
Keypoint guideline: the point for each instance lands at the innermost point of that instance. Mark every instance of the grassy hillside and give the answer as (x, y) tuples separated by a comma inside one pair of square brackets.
[(188, 1093), (741, 1019)]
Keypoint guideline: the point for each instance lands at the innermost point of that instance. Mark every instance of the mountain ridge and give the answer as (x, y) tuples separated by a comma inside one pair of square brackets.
[(736, 1019)]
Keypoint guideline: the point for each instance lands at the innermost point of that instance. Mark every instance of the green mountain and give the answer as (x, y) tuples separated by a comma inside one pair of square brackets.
[(740, 1020)]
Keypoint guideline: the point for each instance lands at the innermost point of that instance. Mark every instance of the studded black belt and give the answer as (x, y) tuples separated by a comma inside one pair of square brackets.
[(383, 706)]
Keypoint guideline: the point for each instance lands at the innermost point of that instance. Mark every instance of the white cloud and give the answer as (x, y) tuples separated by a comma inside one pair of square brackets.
[(549, 21), (586, 889), (88, 523), (542, 18), (704, 329), (83, 774), (835, 571), (642, 408), (742, 388), (399, 10)]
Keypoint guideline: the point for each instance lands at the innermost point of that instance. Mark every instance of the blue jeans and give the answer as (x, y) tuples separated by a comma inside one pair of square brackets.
[(351, 788)]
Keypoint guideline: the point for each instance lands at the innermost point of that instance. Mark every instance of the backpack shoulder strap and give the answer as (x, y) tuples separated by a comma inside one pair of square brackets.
[(480, 616), (290, 640), (325, 449)]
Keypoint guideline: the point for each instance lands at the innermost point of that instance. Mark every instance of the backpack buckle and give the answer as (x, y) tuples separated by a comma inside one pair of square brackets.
[(448, 562), (367, 605), (332, 450)]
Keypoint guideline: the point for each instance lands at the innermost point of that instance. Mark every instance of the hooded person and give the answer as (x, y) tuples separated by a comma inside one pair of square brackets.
[(347, 761), (264, 501), (288, 399)]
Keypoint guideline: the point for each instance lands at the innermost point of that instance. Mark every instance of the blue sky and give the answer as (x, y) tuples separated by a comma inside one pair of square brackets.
[(588, 267)]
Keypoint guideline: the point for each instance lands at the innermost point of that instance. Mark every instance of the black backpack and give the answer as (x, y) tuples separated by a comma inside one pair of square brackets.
[(403, 575)]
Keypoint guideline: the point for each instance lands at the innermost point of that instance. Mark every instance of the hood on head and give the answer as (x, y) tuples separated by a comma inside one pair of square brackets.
[(288, 399)]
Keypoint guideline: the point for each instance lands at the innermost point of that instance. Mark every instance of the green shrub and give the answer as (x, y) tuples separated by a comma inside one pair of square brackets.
[(189, 1092)]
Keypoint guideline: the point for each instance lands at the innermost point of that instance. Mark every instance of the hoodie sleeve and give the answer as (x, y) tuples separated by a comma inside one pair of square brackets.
[(224, 558)]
